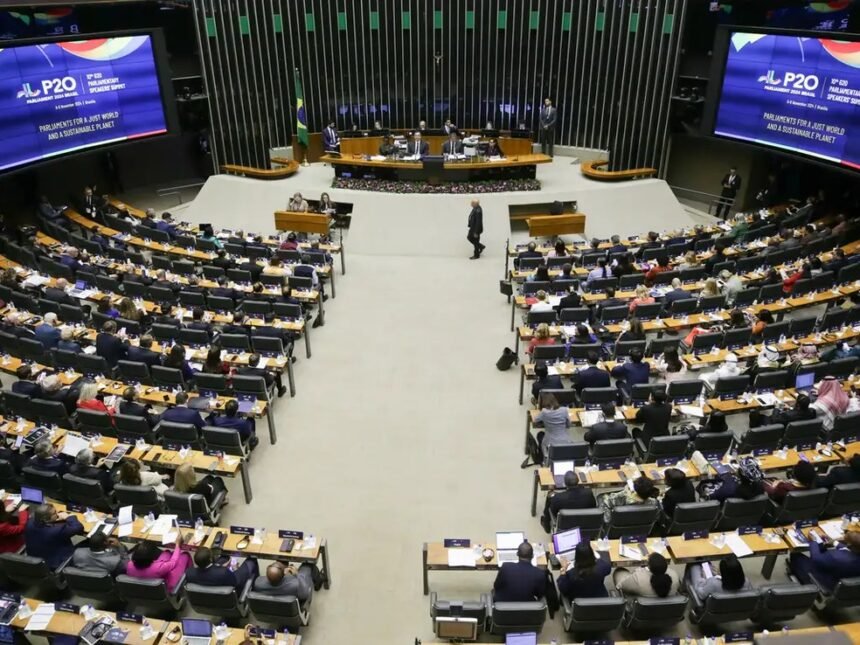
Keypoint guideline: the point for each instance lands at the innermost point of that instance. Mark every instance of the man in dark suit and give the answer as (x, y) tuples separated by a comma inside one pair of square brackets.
[(572, 497), (449, 128), (58, 293), (677, 293), (591, 376), (109, 346), (83, 467), (132, 408), (609, 428), (48, 332), (143, 352), (543, 380), (731, 184), (91, 204), (222, 260), (231, 419), (181, 413), (269, 376), (849, 474), (237, 326), (548, 117), (166, 225), (453, 146), (49, 535), (829, 565), (476, 227), (26, 383), (520, 581), (570, 301), (198, 323), (654, 416), (530, 252), (331, 140), (211, 574), (417, 146), (633, 372), (45, 458), (606, 303)]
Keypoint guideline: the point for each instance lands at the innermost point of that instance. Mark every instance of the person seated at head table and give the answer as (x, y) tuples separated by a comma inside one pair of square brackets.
[(493, 149), (176, 359), (297, 204), (679, 490), (592, 376), (572, 497), (275, 267), (84, 467), (102, 553), (731, 579), (269, 376), (148, 561), (286, 580), (634, 371), (654, 416), (539, 302), (644, 492), (585, 576), (826, 565), (541, 337), (58, 294), (213, 363), (245, 426), (417, 146), (848, 474), (48, 535), (663, 265), (326, 205), (143, 353), (110, 346), (656, 580), (609, 428), (211, 571), (453, 146), (67, 340), (47, 458), (520, 581), (181, 413)]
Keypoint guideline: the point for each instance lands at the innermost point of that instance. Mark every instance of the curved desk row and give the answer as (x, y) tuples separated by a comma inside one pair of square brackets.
[(595, 170)]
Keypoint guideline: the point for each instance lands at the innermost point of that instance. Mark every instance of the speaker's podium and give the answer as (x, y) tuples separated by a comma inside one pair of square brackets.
[(552, 225), (302, 222), (434, 168)]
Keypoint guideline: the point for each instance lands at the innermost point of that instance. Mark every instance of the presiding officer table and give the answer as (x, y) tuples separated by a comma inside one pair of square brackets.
[(470, 169)]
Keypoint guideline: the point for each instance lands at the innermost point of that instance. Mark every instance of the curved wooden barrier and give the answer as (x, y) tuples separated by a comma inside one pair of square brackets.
[(288, 168), (594, 170)]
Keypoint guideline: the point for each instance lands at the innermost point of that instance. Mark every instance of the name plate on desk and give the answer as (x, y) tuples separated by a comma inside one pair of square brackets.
[(76, 508), (214, 453), (67, 607), (761, 452), (805, 524), (11, 597), (284, 534), (185, 524), (696, 535), (713, 456), (610, 465), (664, 640), (604, 641), (261, 632), (738, 637), (749, 530), (806, 445), (632, 539), (129, 617), (116, 635), (729, 396), (457, 543), (667, 461), (851, 439), (242, 530), (175, 447)]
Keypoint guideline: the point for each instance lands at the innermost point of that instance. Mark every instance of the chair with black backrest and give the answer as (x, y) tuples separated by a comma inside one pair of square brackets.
[(537, 317), (691, 276), (845, 426), (844, 499), (33, 350), (517, 617), (192, 299), (773, 331), (649, 311), (834, 319), (713, 443), (737, 512), (670, 447), (49, 306), (664, 277), (215, 383), (770, 381), (720, 608), (130, 428), (30, 572), (257, 308), (212, 272), (549, 353), (273, 347), (52, 413), (8, 476), (142, 499), (287, 611), (802, 433), (150, 594), (802, 327), (95, 422), (9, 343), (235, 343), (782, 603), (179, 434), (611, 450), (168, 377), (87, 492), (574, 315), (239, 276), (158, 261), (91, 366), (182, 267), (610, 315), (18, 405), (48, 481), (194, 337), (762, 438), (277, 281), (731, 387), (476, 610), (745, 297), (683, 307), (798, 505), (654, 615), (636, 519), (593, 397), (218, 601), (631, 281), (161, 294), (64, 359), (220, 304), (579, 352), (589, 521), (624, 347), (227, 440), (256, 386), (592, 615), (93, 584), (657, 346), (842, 368), (692, 516), (190, 507), (706, 342)]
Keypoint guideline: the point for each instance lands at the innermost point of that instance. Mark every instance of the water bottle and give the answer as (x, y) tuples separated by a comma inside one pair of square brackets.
[(198, 524)]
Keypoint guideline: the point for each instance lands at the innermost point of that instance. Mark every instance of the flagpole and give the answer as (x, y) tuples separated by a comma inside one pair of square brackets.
[(301, 119)]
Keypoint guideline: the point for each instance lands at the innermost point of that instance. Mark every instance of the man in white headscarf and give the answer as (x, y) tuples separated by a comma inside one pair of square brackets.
[(728, 368)]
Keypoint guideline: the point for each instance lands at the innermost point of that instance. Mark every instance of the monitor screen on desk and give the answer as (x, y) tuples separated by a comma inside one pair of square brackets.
[(32, 495), (521, 639), (196, 627), (566, 541), (457, 628), (805, 381)]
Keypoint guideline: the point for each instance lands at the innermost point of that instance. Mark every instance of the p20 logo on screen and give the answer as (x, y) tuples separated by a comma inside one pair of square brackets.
[(794, 80), (50, 87)]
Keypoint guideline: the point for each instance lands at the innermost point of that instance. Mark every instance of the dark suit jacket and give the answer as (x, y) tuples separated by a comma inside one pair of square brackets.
[(673, 295), (214, 576), (548, 116), (48, 335), (570, 301), (112, 348), (28, 388), (256, 371), (838, 475), (141, 355), (330, 139), (64, 396), (590, 377), (51, 464), (58, 295), (424, 149), (200, 325), (606, 430), (673, 497), (519, 582), (731, 188), (632, 373), (551, 382), (243, 425), (476, 221), (234, 329), (182, 414), (831, 565), (458, 148), (655, 421), (134, 409), (100, 475), (571, 499), (52, 542)]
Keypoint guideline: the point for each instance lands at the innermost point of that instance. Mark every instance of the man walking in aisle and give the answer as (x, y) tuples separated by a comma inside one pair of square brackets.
[(476, 227)]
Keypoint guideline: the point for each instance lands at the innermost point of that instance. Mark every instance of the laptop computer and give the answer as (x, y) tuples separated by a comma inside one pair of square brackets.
[(196, 631), (32, 495), (804, 381), (507, 544), (79, 288), (521, 639), (564, 543), (559, 469)]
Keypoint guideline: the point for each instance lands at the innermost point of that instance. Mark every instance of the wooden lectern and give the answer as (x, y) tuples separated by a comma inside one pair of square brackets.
[(302, 222), (551, 225)]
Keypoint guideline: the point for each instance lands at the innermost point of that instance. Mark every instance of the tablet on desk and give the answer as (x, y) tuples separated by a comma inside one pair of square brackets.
[(529, 638), (32, 495)]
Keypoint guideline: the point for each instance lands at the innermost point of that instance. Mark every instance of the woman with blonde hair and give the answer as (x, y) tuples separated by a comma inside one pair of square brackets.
[(643, 297), (185, 481), (131, 473), (541, 337), (690, 261), (710, 288), (88, 399), (128, 310)]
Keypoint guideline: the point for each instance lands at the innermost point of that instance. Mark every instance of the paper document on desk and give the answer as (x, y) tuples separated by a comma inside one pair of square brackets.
[(74, 444), (552, 370), (163, 524), (767, 398), (569, 330), (588, 418), (633, 551), (41, 617), (124, 530), (554, 300), (36, 280), (691, 411), (461, 558), (561, 467), (736, 543), (377, 158), (833, 529)]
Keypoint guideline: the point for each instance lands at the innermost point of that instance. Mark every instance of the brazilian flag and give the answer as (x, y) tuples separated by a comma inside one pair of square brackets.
[(301, 117)]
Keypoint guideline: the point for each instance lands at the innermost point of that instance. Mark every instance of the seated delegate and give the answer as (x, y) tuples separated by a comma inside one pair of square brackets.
[(572, 497), (520, 581), (656, 580), (48, 535), (731, 579), (585, 576), (102, 553), (828, 565), (148, 561), (286, 580)]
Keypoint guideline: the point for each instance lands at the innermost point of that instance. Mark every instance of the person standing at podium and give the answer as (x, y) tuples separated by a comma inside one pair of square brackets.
[(417, 146), (331, 140), (453, 146), (476, 227), (548, 116)]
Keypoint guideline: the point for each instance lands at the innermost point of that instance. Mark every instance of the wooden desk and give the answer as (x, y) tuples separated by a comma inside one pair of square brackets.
[(434, 557), (595, 170), (302, 222), (236, 636), (262, 173), (551, 225)]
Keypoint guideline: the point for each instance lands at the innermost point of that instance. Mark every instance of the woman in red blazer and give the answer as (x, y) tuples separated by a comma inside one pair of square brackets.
[(12, 527), (87, 399)]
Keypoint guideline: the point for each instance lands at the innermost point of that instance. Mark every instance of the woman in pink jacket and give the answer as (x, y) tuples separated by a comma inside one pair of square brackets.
[(148, 561)]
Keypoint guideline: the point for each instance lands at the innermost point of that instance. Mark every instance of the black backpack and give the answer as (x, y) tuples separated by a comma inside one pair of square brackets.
[(507, 359)]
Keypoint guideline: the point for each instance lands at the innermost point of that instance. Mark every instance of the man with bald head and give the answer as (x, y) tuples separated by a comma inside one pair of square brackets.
[(476, 227), (286, 580), (829, 565)]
